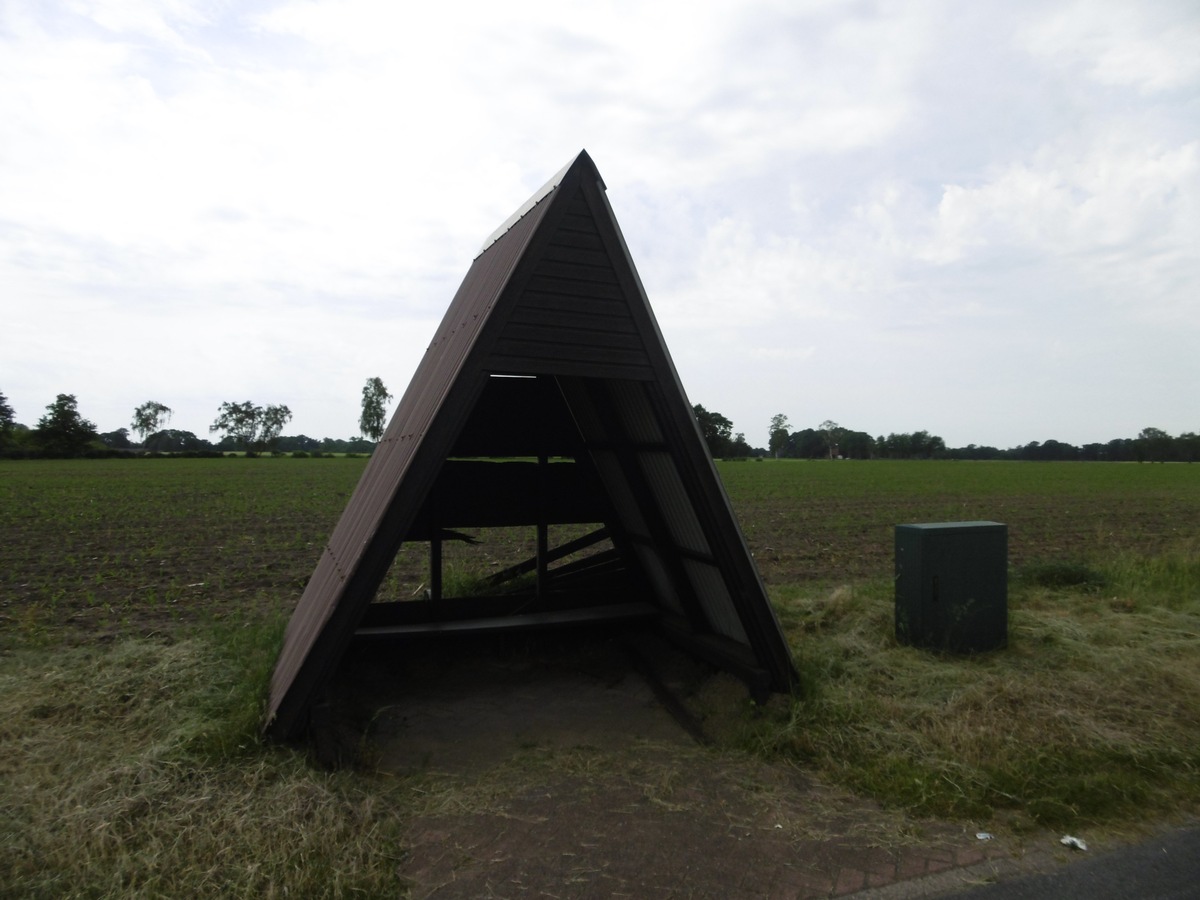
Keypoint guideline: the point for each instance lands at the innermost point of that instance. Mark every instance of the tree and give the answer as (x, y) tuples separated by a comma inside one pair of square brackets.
[(808, 443), (1121, 450), (1189, 446), (273, 420), (918, 445), (252, 427), (293, 443), (857, 445), (172, 440), (239, 421), (116, 440), (8, 421), (62, 431), (833, 434), (777, 438), (1054, 451), (717, 431), (1154, 444), (150, 417), (350, 445), (925, 445), (375, 398)]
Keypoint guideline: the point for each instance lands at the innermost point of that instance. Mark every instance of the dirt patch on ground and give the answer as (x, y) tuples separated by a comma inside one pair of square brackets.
[(597, 769), (483, 707)]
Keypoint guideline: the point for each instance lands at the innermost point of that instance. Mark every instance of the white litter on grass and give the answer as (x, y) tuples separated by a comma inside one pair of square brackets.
[(984, 836), (1071, 841)]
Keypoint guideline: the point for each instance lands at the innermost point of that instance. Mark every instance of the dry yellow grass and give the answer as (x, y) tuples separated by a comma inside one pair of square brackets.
[(129, 770)]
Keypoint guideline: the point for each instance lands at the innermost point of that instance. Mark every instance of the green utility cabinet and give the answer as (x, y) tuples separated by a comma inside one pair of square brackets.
[(952, 586)]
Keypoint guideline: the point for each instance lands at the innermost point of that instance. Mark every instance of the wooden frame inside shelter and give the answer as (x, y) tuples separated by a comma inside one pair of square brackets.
[(549, 356)]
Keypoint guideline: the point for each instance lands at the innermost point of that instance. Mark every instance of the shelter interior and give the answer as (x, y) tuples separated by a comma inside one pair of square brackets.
[(522, 464)]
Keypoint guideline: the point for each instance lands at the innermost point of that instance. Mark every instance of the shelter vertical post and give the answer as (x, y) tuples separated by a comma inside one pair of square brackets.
[(543, 531), (435, 551)]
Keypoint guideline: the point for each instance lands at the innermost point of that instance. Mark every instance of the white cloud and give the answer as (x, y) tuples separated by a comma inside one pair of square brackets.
[(1151, 46), (767, 279), (1116, 214), (285, 195)]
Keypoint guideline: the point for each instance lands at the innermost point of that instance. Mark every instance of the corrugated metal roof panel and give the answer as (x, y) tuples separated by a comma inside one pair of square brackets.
[(364, 542), (620, 494), (715, 600), (673, 500), (636, 414), (656, 571), (536, 198)]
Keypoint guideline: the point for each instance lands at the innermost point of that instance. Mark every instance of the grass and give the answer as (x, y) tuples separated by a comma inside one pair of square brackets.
[(142, 603), (134, 769), (1090, 716)]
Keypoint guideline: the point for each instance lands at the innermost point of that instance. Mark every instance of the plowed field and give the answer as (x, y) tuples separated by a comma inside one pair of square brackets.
[(134, 546)]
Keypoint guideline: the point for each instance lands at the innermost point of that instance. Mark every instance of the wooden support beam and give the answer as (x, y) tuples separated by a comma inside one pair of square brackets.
[(592, 537), (435, 550), (543, 530), (735, 658), (616, 613), (655, 517)]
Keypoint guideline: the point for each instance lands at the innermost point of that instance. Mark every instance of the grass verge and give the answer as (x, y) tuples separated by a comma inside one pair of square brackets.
[(1090, 716), (134, 769)]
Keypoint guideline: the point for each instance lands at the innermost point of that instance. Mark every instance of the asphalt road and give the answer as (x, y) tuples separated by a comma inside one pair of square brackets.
[(1165, 868)]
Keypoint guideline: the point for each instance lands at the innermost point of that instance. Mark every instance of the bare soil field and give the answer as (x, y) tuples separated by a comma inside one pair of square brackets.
[(136, 546)]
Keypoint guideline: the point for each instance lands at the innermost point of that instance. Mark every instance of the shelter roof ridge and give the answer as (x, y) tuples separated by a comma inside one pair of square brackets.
[(537, 197)]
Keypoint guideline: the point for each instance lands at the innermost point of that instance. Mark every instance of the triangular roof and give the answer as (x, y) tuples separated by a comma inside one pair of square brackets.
[(554, 297)]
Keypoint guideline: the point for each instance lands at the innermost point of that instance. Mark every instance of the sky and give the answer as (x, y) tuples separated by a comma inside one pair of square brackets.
[(980, 219)]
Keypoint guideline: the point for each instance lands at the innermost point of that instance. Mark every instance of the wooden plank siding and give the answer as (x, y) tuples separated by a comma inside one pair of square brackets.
[(573, 315)]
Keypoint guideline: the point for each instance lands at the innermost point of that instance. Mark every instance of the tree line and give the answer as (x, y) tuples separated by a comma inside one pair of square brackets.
[(245, 427), (831, 441)]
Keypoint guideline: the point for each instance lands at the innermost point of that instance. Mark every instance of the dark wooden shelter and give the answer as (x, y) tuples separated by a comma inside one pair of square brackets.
[(550, 358)]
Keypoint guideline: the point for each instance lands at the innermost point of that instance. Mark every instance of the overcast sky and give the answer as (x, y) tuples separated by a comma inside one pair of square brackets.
[(981, 219)]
